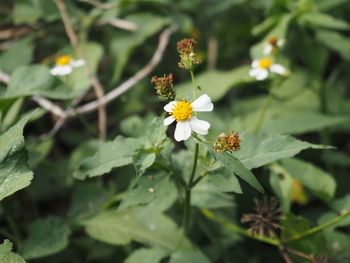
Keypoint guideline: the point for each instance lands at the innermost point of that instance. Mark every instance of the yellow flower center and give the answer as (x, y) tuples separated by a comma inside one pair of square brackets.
[(182, 111), (63, 60), (265, 63)]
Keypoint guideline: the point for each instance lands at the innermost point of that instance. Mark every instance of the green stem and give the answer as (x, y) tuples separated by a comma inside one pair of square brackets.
[(263, 112), (188, 189), (316, 229), (193, 85)]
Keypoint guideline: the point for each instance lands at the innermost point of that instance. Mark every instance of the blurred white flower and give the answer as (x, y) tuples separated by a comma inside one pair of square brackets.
[(65, 65), (262, 67), (182, 112), (272, 44)]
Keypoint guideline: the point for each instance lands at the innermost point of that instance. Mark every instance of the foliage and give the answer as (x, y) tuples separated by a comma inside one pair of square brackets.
[(89, 171)]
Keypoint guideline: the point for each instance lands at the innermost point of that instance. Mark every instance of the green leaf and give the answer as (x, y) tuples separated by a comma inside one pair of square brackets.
[(335, 41), (38, 150), (6, 256), (11, 114), (157, 190), (205, 195), (116, 153), (37, 80), (325, 21), (135, 223), (87, 200), (147, 255), (186, 256), (19, 54), (124, 43), (78, 80), (25, 12), (215, 83), (233, 165), (318, 181), (224, 181), (281, 183), (258, 150), (14, 171), (47, 236)]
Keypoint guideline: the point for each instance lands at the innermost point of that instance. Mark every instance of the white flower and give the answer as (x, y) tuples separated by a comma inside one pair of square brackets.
[(272, 44), (182, 112), (262, 67), (65, 65)]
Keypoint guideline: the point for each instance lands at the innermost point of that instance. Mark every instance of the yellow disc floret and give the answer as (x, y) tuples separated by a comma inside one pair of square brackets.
[(182, 111), (63, 60), (265, 63)]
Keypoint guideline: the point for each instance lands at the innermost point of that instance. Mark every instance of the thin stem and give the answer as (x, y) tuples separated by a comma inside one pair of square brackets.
[(193, 85), (316, 229), (285, 255), (301, 254), (188, 189), (263, 112), (199, 178)]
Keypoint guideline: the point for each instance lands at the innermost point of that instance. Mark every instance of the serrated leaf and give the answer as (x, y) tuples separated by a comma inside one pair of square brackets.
[(258, 150), (147, 255), (318, 181), (37, 80), (215, 83), (14, 170), (135, 223), (116, 153), (7, 256), (47, 236)]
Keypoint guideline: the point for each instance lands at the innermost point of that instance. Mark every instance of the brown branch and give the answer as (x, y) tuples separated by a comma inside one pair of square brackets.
[(100, 5), (285, 255), (119, 23), (98, 89), (303, 255), (163, 42)]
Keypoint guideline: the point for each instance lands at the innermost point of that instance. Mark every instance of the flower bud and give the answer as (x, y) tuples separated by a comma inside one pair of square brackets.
[(164, 86), (227, 142)]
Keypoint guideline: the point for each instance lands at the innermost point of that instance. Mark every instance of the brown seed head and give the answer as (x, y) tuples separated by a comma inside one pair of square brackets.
[(164, 86), (265, 222), (227, 142), (186, 49), (186, 45)]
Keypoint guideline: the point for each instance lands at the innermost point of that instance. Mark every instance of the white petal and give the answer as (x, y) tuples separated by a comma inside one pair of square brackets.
[(203, 103), (267, 49), (182, 131), (278, 69), (255, 64), (199, 126), (61, 70), (169, 120), (170, 106), (77, 63), (253, 72), (280, 42), (262, 74)]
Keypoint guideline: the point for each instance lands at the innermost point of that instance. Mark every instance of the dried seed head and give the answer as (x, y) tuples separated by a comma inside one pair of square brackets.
[(186, 46), (265, 222), (227, 142), (188, 58), (164, 86)]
